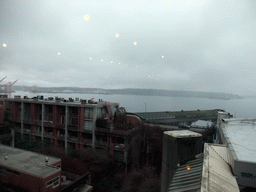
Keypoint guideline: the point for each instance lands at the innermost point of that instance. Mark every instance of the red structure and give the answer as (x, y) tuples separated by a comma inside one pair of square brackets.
[(70, 124), (28, 170)]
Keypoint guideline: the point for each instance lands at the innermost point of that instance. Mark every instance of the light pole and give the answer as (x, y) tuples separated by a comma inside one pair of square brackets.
[(145, 107)]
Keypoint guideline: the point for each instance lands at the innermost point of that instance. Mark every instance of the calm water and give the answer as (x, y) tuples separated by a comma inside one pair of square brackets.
[(239, 107)]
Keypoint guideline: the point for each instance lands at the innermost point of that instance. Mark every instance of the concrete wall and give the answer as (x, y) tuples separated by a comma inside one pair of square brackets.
[(246, 173), (30, 182), (169, 161), (176, 151)]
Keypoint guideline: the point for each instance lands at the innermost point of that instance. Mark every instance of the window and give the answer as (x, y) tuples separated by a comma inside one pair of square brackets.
[(12, 172), (2, 171), (88, 125), (54, 182), (88, 113), (100, 112)]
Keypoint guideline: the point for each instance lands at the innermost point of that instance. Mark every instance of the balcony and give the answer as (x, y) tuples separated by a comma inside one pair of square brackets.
[(27, 130), (102, 143), (26, 120), (38, 133), (49, 135), (5, 137), (61, 126), (72, 138), (61, 138), (86, 141), (113, 131), (73, 127), (118, 146), (48, 123), (17, 119)]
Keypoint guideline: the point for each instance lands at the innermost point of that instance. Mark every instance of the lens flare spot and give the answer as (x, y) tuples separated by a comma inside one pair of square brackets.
[(86, 17), (119, 63), (135, 43), (90, 58), (137, 66), (162, 56), (4, 45), (58, 53), (111, 62), (117, 35), (101, 60)]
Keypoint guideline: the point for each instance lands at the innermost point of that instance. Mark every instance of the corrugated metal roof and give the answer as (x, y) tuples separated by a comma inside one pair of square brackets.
[(217, 174), (188, 176)]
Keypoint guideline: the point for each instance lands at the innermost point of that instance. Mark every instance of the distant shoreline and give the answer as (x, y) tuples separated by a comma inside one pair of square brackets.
[(142, 92)]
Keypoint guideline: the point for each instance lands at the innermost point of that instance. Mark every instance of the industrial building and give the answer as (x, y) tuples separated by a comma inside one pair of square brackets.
[(186, 168), (176, 117), (178, 147), (239, 137), (71, 124), (29, 171)]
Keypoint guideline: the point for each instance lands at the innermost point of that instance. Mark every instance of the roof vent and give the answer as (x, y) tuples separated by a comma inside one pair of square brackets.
[(46, 160), (5, 157)]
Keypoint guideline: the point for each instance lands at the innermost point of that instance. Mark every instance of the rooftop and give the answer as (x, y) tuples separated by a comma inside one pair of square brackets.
[(145, 115), (241, 134), (182, 134), (27, 161), (207, 172), (60, 101), (216, 173), (202, 123), (188, 176)]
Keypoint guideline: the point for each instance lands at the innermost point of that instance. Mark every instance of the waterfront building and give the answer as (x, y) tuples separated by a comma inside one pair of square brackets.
[(185, 168), (71, 124), (239, 137), (175, 117)]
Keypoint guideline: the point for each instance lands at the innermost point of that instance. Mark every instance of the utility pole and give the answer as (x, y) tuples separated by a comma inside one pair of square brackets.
[(145, 107)]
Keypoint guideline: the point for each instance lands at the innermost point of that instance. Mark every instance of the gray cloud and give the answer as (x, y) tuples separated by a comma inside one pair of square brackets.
[(207, 45)]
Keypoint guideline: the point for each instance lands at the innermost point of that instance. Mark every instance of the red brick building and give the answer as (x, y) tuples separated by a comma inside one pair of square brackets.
[(28, 170), (70, 124), (5, 131)]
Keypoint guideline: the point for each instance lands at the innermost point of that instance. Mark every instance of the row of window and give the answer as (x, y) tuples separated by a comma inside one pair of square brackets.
[(54, 182), (171, 117), (5, 170)]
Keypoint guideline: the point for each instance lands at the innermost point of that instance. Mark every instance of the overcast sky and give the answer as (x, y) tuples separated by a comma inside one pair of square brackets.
[(204, 45)]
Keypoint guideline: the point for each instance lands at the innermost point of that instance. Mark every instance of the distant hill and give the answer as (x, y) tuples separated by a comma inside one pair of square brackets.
[(147, 92)]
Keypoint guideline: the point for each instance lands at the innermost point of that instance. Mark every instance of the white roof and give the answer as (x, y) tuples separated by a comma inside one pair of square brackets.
[(182, 133), (241, 134), (217, 174), (202, 123)]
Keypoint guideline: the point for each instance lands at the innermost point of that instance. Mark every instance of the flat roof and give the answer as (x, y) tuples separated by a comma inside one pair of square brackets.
[(182, 133), (241, 134), (145, 115), (59, 102), (27, 161)]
